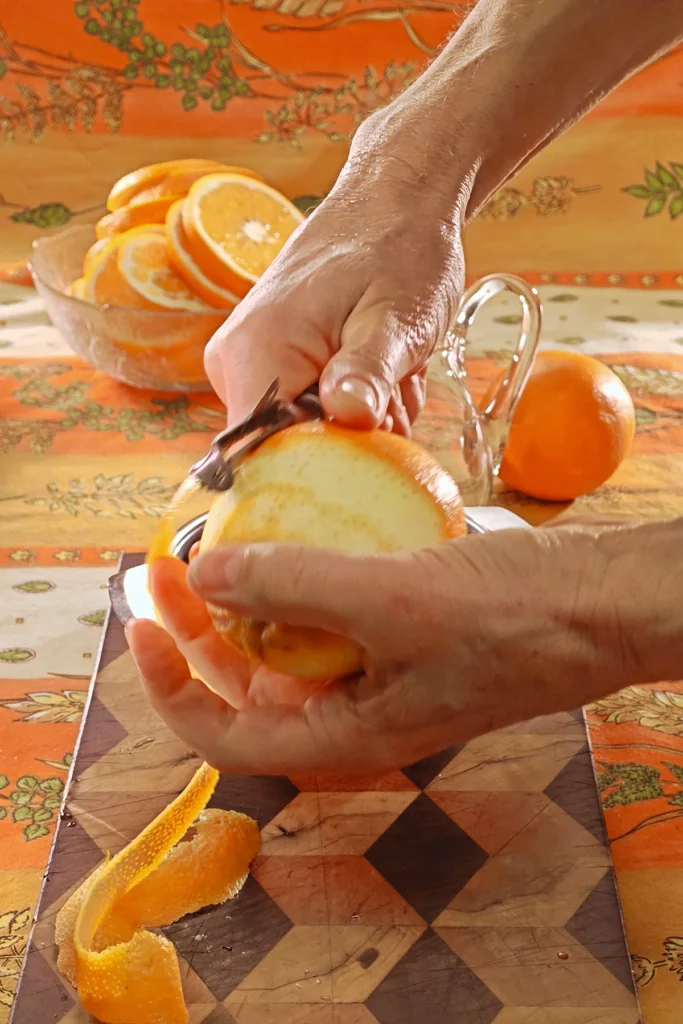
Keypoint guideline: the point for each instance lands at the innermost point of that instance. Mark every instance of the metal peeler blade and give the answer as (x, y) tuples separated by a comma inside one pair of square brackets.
[(216, 471)]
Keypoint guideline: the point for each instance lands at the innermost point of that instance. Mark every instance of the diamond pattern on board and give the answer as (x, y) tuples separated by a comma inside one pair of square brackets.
[(308, 1013), (521, 967), (574, 791), (424, 771), (456, 994), (84, 857), (95, 747), (597, 925), (332, 890), (219, 1016), (261, 797), (44, 996), (426, 857), (333, 823), (509, 761), (539, 879), (491, 819), (256, 926)]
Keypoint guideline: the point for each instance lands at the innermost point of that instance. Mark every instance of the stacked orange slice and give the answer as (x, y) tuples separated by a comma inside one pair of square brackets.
[(188, 269), (189, 237), (124, 973), (235, 226), (144, 196), (224, 226)]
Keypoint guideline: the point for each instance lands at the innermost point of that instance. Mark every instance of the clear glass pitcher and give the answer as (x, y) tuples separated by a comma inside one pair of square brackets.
[(469, 442)]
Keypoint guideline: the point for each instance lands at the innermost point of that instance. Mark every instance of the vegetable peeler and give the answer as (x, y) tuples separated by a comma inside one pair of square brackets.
[(216, 471)]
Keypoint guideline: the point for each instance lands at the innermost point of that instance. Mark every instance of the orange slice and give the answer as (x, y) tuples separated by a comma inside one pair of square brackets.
[(154, 174), (123, 973), (144, 263), (77, 288), (105, 285), (235, 227), (181, 181), (92, 253), (219, 298), (136, 214)]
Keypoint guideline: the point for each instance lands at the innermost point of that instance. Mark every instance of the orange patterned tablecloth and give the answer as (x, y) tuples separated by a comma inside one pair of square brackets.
[(90, 90), (81, 479)]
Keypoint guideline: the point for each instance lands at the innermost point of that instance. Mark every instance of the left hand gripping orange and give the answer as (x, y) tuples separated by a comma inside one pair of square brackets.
[(124, 974)]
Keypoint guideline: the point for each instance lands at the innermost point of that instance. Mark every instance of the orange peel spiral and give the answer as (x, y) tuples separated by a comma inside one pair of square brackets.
[(123, 973)]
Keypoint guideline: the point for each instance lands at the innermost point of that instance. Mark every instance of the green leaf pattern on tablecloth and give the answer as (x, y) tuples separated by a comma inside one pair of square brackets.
[(32, 803)]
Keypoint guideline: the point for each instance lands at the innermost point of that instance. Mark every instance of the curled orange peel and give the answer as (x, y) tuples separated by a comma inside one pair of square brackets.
[(124, 974)]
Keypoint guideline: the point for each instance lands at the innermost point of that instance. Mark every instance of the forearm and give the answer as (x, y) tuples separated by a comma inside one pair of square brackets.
[(641, 580), (581, 613), (612, 607), (514, 76)]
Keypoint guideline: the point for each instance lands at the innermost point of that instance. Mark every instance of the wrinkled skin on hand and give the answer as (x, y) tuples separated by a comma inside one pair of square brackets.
[(458, 640), (357, 300)]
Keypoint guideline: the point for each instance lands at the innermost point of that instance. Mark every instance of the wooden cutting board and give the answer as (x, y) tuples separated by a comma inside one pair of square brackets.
[(473, 887)]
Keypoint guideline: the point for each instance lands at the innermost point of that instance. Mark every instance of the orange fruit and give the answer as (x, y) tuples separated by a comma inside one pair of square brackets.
[(572, 427), (183, 263), (155, 174), (77, 288), (136, 214), (122, 971), (179, 182), (156, 347), (235, 226), (93, 252), (327, 486), (172, 177), (105, 285), (143, 261)]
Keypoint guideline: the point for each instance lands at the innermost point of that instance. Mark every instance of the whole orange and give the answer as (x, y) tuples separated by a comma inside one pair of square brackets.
[(572, 428)]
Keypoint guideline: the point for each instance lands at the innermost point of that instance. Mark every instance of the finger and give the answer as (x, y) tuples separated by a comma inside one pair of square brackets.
[(377, 351), (186, 618), (248, 353), (308, 586), (326, 734), (397, 411), (414, 393)]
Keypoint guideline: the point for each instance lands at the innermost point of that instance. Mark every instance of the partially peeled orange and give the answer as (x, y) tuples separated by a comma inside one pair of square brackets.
[(325, 486)]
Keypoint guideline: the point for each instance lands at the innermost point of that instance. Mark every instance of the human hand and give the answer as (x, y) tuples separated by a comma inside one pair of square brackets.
[(357, 299), (459, 640)]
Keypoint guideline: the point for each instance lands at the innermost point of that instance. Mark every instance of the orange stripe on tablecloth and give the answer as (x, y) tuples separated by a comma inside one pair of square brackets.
[(16, 273), (101, 415), (58, 556), (34, 759), (637, 745)]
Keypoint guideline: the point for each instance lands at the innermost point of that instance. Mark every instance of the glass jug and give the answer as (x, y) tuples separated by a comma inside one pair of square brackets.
[(467, 441)]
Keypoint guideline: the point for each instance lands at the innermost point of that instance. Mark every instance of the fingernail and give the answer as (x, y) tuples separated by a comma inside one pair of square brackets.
[(215, 571), (362, 390)]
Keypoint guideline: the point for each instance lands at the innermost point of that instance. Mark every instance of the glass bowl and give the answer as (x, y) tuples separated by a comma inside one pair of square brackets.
[(161, 350)]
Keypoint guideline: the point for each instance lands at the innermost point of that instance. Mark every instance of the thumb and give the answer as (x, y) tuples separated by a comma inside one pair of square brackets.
[(378, 349), (351, 595)]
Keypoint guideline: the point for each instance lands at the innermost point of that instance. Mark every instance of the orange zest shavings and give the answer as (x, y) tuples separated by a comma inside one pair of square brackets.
[(124, 974)]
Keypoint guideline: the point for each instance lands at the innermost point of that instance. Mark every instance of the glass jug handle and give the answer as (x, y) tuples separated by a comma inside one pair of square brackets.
[(498, 413)]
